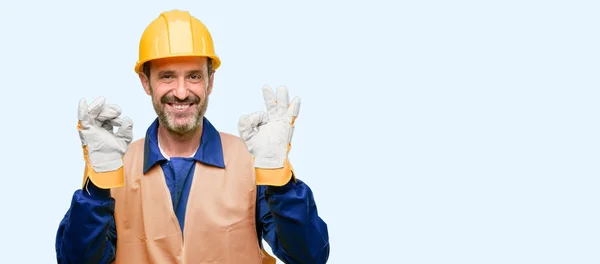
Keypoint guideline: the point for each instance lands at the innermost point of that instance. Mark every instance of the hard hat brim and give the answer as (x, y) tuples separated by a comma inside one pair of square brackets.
[(215, 60)]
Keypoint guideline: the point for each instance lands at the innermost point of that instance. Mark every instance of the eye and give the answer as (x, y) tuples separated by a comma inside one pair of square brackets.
[(167, 76), (195, 78)]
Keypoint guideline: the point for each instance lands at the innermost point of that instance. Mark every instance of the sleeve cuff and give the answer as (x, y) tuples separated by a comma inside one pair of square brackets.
[(94, 192), (281, 189)]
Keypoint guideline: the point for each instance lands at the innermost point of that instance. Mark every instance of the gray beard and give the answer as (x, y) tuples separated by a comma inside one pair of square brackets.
[(180, 129)]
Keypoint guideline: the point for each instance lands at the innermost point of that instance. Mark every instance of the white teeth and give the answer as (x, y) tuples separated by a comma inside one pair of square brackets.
[(180, 107)]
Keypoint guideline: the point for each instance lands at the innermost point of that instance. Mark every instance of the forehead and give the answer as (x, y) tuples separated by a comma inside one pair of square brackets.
[(179, 64)]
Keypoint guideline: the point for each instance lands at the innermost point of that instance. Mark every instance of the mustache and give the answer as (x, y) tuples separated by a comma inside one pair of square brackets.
[(170, 99)]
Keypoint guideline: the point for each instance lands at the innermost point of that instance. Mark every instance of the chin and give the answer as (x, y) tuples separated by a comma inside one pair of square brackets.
[(183, 126)]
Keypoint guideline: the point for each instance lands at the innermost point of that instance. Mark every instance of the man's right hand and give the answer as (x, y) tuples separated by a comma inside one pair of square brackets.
[(103, 149)]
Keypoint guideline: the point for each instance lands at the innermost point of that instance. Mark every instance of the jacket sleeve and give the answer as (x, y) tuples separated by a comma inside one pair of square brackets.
[(291, 224), (87, 233)]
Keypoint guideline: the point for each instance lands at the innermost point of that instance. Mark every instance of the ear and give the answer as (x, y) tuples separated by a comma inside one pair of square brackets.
[(210, 83), (145, 83)]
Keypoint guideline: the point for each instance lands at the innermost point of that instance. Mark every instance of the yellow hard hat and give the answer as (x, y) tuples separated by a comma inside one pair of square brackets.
[(176, 34)]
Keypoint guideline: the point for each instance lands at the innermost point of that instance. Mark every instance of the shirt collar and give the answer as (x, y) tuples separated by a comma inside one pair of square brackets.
[(210, 151)]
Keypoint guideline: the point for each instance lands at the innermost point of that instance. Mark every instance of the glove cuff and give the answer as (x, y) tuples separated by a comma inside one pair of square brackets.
[(103, 180), (275, 177)]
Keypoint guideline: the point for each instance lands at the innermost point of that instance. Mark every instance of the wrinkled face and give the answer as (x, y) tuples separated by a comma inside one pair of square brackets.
[(179, 88)]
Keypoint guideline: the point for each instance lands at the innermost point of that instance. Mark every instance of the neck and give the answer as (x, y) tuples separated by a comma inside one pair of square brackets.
[(176, 145)]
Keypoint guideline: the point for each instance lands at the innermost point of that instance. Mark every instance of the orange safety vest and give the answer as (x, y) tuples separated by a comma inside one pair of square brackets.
[(220, 222)]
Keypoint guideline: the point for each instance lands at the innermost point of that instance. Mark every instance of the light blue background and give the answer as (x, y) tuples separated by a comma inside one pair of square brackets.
[(461, 131)]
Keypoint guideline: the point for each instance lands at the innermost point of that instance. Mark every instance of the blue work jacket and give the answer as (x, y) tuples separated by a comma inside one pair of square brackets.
[(287, 217)]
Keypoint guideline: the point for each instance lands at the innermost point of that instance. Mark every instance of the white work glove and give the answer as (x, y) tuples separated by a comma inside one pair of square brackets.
[(268, 136), (103, 149)]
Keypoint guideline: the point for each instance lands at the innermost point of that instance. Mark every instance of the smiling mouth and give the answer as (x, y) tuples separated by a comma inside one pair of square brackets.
[(180, 107)]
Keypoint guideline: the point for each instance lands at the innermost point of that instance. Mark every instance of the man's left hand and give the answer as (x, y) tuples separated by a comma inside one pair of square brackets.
[(268, 136)]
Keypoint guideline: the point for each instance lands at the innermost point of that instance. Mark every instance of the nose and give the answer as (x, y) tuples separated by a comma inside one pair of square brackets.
[(181, 91)]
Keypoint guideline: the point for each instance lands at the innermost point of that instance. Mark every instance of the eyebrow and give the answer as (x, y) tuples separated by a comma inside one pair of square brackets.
[(196, 72), (166, 72)]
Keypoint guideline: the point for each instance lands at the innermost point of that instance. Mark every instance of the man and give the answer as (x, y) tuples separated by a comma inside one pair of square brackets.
[(187, 193)]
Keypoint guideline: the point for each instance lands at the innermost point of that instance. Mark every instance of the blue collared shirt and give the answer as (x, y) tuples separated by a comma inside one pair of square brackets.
[(179, 171)]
